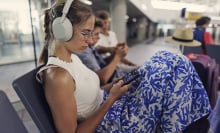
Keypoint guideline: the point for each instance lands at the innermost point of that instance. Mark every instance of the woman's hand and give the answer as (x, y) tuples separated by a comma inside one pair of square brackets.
[(108, 86), (118, 90)]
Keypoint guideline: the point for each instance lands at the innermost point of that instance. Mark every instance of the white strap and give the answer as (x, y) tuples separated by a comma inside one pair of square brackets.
[(66, 9), (39, 73)]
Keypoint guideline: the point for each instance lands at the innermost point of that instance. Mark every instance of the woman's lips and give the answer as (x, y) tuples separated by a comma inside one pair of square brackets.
[(84, 47)]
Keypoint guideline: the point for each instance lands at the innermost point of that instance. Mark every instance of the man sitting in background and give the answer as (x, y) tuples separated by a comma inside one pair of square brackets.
[(93, 60), (200, 33), (108, 41)]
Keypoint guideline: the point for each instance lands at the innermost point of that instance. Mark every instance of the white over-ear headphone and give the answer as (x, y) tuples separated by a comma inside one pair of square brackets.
[(62, 28)]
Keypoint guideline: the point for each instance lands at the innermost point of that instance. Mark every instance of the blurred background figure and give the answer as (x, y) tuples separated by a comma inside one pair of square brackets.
[(93, 60), (182, 37), (201, 34), (108, 41)]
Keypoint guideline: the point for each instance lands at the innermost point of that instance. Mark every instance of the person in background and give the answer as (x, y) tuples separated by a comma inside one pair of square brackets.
[(182, 37), (200, 33), (93, 60), (108, 41), (169, 93)]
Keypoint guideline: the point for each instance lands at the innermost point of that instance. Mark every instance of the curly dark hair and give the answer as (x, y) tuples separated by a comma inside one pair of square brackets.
[(102, 14), (203, 20), (98, 23)]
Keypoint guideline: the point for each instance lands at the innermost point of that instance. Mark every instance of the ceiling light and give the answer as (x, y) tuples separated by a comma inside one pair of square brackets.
[(170, 5), (126, 17), (134, 20), (88, 2)]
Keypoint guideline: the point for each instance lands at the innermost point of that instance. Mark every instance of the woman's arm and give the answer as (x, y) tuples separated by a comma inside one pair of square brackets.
[(59, 92), (94, 120)]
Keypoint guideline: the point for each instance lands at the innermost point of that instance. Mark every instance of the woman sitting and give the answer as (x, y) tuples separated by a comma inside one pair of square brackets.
[(168, 92)]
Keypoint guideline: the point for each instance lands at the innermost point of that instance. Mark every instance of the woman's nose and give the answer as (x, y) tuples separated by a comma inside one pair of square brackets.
[(90, 40)]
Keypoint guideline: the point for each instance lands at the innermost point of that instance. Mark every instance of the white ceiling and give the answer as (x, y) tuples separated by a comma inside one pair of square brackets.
[(170, 10), (203, 2), (132, 10), (158, 14)]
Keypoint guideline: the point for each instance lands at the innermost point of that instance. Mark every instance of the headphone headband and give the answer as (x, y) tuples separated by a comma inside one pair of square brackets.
[(66, 9)]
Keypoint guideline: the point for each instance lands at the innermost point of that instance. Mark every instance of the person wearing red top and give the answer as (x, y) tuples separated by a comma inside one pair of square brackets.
[(200, 33), (207, 38)]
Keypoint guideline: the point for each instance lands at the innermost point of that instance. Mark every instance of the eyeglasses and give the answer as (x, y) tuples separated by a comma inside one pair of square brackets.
[(87, 34)]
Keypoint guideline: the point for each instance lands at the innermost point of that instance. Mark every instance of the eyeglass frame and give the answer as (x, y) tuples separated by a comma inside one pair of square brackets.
[(87, 34)]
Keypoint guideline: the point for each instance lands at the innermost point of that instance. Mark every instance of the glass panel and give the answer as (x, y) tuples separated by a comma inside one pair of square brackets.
[(16, 41)]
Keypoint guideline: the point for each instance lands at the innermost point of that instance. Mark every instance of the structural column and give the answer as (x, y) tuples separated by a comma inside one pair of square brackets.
[(118, 11), (141, 31)]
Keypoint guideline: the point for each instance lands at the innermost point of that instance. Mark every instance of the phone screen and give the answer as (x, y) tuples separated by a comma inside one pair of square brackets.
[(131, 76)]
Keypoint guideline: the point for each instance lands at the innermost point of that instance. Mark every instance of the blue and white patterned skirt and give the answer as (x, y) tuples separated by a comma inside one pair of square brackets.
[(169, 94)]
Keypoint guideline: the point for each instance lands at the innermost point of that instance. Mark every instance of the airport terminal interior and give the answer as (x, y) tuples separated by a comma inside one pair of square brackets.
[(143, 24)]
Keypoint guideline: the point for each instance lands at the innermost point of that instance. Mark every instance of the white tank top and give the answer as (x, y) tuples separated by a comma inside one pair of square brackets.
[(88, 94)]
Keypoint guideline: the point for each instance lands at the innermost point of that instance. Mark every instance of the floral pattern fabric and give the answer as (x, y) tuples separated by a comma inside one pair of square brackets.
[(168, 95)]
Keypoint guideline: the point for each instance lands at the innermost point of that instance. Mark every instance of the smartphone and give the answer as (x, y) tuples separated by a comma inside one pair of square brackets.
[(131, 76)]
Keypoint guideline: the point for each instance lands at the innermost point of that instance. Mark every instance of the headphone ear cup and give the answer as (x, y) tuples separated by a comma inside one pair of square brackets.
[(62, 30)]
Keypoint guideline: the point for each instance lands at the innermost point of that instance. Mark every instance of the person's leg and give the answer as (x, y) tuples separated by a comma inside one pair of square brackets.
[(184, 97)]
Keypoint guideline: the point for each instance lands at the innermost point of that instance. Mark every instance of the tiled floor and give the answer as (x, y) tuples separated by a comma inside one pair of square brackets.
[(138, 53)]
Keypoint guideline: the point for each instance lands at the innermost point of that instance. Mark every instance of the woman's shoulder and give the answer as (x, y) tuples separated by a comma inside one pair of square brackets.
[(52, 73), (56, 72), (57, 79)]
